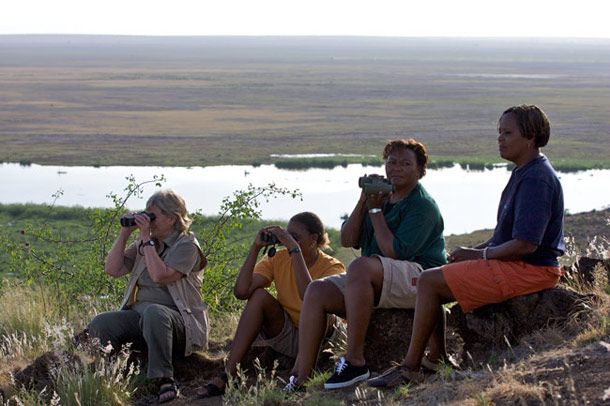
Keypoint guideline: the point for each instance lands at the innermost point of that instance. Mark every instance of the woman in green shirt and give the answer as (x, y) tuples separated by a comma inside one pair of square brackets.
[(399, 235)]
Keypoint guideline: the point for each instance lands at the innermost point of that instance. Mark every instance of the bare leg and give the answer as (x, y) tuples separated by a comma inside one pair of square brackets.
[(321, 298), (437, 342), (362, 290), (429, 322), (262, 312)]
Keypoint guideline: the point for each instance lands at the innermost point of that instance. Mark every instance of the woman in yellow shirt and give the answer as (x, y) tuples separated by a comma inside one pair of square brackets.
[(274, 321)]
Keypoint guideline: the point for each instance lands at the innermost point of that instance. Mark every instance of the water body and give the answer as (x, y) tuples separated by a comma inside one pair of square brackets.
[(468, 199)]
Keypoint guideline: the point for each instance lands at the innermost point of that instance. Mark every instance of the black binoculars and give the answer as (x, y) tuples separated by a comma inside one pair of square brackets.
[(130, 221)]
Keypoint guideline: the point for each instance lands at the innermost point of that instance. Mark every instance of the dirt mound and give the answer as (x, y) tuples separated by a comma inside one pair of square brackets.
[(40, 373)]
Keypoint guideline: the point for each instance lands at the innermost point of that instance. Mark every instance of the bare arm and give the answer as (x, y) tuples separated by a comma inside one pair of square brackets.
[(512, 250), (158, 271), (301, 272), (115, 265), (383, 235), (350, 231), (247, 282), (483, 244)]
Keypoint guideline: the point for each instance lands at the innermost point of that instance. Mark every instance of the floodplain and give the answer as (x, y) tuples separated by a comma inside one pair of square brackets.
[(200, 101)]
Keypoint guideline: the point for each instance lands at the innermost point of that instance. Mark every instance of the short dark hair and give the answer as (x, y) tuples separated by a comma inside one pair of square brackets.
[(533, 123), (417, 147), (313, 225)]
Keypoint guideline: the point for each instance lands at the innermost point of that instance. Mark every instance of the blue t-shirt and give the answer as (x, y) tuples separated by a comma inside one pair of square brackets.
[(531, 209), (417, 225)]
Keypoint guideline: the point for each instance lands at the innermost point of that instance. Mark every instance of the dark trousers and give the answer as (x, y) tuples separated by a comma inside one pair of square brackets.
[(159, 330)]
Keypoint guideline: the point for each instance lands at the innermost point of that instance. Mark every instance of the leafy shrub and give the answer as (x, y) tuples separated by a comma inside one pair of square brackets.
[(69, 261)]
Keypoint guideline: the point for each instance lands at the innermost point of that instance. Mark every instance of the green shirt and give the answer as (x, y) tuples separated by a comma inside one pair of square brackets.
[(417, 225)]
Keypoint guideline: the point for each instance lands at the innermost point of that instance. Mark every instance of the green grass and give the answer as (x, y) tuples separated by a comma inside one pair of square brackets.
[(73, 223), (325, 163)]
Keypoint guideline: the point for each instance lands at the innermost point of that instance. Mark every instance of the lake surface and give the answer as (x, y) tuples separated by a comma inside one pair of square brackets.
[(468, 199)]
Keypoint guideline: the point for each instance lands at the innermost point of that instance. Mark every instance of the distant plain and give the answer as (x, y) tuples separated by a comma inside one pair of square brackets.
[(198, 101)]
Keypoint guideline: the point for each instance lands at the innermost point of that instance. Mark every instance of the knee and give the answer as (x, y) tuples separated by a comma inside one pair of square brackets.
[(317, 292), (429, 281), (99, 325), (102, 329), (360, 270), (259, 298)]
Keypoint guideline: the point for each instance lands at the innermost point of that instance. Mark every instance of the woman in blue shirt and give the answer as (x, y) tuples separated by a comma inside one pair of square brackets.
[(521, 256)]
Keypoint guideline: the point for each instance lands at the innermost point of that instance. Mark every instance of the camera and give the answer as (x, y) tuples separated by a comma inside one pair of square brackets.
[(130, 221), (372, 185), (269, 238)]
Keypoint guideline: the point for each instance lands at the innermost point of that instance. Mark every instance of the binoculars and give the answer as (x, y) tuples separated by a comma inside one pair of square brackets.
[(130, 221), (372, 185), (271, 240)]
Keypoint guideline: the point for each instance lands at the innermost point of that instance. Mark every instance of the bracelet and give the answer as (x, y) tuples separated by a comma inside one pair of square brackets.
[(485, 253), (375, 210), (294, 251)]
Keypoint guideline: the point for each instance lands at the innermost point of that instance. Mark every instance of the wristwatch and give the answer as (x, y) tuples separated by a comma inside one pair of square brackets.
[(149, 242), (295, 250), (375, 210)]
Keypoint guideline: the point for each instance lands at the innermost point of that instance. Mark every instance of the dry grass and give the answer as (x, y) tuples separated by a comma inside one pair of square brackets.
[(535, 372)]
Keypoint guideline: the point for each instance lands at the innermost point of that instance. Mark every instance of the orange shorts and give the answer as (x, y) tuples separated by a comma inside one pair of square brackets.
[(480, 282)]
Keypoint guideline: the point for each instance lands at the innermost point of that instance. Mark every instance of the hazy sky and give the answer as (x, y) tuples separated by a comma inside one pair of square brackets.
[(546, 18)]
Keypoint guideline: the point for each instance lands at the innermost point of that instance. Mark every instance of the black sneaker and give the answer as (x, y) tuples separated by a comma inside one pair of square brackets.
[(346, 375)]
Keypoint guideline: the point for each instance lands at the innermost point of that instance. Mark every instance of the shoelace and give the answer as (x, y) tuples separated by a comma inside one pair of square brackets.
[(341, 365), (291, 385)]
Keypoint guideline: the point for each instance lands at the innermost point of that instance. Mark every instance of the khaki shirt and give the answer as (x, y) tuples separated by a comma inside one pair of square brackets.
[(185, 292)]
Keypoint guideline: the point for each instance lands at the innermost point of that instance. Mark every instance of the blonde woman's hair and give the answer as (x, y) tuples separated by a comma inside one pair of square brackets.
[(173, 205)]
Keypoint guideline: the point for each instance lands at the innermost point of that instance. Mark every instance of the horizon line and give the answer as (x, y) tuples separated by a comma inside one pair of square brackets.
[(307, 36)]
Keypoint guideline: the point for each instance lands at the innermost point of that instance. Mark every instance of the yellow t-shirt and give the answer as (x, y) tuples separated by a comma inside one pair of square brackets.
[(278, 269)]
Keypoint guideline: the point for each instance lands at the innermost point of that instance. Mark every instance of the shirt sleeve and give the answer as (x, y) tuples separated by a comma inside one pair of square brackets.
[(265, 267), (414, 230), (533, 207), (183, 258)]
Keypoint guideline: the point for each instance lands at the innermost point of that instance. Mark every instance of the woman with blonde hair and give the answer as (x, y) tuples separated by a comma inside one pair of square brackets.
[(162, 311)]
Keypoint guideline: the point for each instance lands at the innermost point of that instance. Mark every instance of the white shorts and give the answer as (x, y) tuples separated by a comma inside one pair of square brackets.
[(399, 283)]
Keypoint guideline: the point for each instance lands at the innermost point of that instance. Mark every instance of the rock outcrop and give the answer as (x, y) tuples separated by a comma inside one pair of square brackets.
[(480, 332), (589, 270)]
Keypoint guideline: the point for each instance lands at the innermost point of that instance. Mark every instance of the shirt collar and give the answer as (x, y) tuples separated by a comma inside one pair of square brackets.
[(169, 241)]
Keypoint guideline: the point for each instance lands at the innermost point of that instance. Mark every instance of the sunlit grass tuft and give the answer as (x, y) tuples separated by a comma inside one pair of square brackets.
[(108, 381), (263, 391)]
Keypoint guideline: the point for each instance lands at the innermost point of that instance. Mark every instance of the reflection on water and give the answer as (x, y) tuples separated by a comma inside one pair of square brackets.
[(468, 199)]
